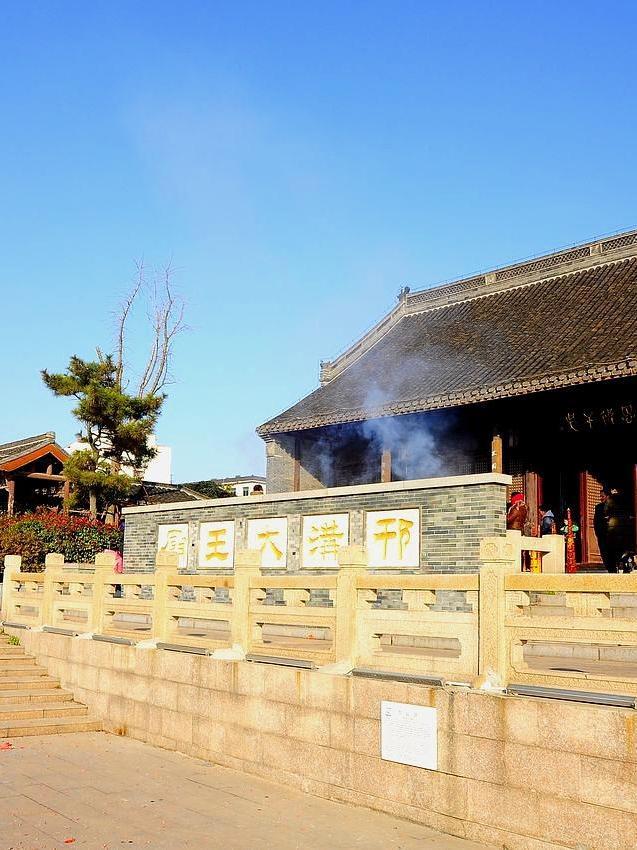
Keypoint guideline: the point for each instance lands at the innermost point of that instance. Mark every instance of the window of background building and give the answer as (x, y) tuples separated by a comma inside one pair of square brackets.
[(246, 491)]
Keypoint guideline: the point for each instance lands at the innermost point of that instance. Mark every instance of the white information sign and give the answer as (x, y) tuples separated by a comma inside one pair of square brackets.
[(270, 537), (174, 538), (393, 538), (409, 734)]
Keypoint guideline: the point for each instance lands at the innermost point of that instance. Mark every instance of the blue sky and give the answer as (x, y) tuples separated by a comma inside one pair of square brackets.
[(299, 162)]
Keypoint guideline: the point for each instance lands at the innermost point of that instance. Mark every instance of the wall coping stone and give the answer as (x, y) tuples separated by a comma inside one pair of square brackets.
[(324, 493)]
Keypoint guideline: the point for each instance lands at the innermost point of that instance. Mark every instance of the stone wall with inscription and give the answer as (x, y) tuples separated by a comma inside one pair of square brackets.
[(428, 525)]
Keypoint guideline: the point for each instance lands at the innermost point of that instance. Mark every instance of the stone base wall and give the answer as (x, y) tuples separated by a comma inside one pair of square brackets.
[(518, 773)]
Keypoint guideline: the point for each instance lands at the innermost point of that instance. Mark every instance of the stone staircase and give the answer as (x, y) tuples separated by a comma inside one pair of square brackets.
[(32, 702)]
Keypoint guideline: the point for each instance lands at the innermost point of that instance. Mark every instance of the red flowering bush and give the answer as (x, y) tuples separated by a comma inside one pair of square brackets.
[(35, 535)]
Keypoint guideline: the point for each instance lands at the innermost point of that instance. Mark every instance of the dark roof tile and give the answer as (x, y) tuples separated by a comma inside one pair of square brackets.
[(577, 328)]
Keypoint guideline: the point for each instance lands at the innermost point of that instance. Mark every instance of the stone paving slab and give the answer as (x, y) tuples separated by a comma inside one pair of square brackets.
[(100, 792)]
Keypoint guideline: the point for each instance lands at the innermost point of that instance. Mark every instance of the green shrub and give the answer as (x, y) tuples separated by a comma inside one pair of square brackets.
[(33, 536)]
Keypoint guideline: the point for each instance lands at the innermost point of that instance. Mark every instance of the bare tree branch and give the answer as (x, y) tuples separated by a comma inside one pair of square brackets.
[(124, 313), (165, 316)]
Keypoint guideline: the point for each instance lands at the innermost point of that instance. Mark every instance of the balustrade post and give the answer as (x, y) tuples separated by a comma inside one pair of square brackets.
[(500, 556), (165, 563), (104, 569), (554, 561), (352, 562), (53, 564), (12, 564), (247, 566)]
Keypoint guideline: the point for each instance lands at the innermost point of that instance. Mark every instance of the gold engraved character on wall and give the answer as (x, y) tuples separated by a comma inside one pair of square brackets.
[(393, 538)]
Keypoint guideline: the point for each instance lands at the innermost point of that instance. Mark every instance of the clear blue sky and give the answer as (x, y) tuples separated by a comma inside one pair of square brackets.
[(300, 162)]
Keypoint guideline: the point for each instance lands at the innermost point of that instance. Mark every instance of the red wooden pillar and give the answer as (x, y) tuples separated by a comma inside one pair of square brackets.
[(533, 497)]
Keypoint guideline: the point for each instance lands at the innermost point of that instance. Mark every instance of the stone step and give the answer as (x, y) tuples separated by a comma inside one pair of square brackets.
[(47, 726), (28, 711), (28, 695), (21, 670), (11, 649), (37, 679), (9, 659)]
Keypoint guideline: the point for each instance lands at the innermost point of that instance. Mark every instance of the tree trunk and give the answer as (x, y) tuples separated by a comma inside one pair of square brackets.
[(92, 503)]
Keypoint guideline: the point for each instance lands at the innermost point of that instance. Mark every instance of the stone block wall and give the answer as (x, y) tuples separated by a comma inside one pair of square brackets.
[(455, 514), (513, 772)]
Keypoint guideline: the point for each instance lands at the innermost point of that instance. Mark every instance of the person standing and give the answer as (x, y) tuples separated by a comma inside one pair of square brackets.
[(547, 521), (600, 527), (518, 513)]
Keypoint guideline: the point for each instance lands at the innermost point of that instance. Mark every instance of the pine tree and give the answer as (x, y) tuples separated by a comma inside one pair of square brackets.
[(115, 428)]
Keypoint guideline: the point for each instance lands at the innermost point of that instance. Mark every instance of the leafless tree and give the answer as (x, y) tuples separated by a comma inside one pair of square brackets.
[(165, 314)]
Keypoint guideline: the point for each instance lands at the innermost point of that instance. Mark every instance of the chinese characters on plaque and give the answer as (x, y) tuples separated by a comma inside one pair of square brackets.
[(596, 418), (323, 536), (393, 538), (174, 538), (270, 537), (216, 544)]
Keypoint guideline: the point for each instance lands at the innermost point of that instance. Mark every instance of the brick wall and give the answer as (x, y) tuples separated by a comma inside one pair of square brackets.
[(455, 514)]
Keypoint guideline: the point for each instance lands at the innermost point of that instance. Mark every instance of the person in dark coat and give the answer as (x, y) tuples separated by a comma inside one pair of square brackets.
[(611, 524), (547, 521), (600, 526)]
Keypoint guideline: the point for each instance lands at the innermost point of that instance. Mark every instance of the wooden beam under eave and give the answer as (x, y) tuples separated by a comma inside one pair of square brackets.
[(41, 476)]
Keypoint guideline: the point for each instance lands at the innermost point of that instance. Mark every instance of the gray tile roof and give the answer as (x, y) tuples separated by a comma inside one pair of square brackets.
[(485, 338), (18, 448)]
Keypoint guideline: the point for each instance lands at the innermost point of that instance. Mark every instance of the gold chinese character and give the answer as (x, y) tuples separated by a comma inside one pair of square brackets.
[(325, 539), (389, 533), (175, 542), (267, 536), (216, 542)]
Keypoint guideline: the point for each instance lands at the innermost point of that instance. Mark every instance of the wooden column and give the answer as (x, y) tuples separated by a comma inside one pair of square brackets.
[(66, 492), (497, 464), (11, 496), (532, 491), (385, 466)]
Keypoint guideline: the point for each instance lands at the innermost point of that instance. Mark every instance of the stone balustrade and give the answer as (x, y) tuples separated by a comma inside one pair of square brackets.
[(552, 629)]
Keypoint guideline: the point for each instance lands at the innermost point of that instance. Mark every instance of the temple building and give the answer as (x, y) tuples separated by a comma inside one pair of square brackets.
[(31, 474), (530, 369)]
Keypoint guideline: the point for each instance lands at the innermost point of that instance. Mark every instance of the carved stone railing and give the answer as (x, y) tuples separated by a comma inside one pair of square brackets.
[(489, 629)]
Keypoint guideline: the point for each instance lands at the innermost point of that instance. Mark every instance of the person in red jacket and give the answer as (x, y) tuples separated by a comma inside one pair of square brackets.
[(518, 513)]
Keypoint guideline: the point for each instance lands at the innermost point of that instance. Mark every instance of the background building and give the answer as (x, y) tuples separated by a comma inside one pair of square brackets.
[(31, 474), (529, 369), (243, 485)]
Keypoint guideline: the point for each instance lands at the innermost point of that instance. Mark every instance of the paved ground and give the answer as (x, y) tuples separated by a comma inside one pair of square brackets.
[(101, 792)]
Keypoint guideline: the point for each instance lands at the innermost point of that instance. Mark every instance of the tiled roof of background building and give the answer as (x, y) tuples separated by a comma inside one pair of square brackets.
[(18, 448), (507, 333)]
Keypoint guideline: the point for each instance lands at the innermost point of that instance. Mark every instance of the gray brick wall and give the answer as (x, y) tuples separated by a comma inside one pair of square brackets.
[(279, 453), (453, 520)]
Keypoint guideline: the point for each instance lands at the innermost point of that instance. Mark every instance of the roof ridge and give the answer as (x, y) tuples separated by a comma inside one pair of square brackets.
[(47, 435), (520, 284)]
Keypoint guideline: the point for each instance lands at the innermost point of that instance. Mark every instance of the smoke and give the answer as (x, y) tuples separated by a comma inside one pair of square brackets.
[(422, 445)]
